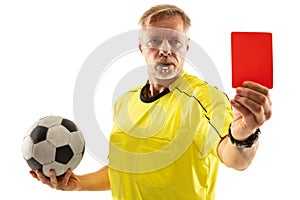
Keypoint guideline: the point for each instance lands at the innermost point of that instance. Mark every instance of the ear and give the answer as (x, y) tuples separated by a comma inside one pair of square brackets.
[(188, 45), (140, 48)]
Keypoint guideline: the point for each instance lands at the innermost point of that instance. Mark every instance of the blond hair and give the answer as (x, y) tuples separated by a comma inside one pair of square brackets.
[(164, 10)]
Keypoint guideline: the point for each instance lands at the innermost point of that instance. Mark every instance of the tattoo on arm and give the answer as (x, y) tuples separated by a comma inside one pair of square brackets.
[(244, 155)]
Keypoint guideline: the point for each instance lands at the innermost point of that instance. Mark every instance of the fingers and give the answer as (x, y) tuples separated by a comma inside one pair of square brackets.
[(261, 95), (53, 179), (256, 87), (65, 180), (249, 121), (59, 183), (51, 182), (34, 175), (253, 102), (41, 177)]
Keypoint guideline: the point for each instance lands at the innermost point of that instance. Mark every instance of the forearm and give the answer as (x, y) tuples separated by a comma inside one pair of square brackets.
[(236, 157), (96, 181), (252, 108)]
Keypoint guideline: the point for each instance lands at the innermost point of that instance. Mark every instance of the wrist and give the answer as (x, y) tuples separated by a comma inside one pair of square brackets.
[(245, 142), (241, 135)]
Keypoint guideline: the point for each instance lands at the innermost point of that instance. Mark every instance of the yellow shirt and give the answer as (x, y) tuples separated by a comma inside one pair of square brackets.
[(166, 147)]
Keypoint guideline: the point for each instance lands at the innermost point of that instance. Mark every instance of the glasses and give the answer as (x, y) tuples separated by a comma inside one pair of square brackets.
[(163, 39)]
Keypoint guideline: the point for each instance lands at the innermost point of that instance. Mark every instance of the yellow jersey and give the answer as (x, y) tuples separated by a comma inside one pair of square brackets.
[(165, 147)]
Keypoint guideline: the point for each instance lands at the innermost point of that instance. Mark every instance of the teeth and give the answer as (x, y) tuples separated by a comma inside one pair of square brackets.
[(165, 68)]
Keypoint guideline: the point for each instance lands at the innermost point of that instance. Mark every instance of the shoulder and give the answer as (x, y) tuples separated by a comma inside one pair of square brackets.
[(195, 86), (206, 94), (131, 93)]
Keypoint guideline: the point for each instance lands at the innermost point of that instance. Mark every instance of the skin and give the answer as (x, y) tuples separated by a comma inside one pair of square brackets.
[(96, 181), (153, 56), (252, 108)]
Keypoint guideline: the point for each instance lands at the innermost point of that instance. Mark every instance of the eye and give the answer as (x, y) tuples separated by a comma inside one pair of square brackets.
[(175, 43), (154, 42)]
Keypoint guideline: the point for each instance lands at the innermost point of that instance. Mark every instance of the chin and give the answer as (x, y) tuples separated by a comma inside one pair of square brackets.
[(166, 75)]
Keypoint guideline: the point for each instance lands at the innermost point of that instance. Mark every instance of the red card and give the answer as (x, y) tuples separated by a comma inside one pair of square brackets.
[(252, 58)]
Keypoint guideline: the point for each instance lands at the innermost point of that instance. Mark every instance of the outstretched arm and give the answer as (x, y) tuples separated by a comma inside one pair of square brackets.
[(252, 108), (95, 181)]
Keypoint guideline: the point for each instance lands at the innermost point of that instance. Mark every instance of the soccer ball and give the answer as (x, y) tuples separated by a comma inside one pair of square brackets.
[(53, 142)]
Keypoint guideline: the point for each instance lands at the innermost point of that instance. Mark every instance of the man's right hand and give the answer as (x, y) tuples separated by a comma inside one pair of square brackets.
[(68, 182)]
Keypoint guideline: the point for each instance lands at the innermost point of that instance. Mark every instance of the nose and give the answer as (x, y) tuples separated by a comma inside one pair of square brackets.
[(165, 49)]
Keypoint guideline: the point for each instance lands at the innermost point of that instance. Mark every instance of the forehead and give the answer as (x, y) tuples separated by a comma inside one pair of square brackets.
[(168, 22), (157, 32)]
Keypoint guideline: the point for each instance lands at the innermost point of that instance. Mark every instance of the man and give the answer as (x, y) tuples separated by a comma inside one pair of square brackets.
[(171, 133)]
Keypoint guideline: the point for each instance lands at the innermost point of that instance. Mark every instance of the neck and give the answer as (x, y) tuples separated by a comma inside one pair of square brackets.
[(158, 86), (155, 89)]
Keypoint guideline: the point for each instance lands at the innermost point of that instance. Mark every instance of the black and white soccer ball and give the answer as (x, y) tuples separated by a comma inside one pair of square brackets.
[(53, 142)]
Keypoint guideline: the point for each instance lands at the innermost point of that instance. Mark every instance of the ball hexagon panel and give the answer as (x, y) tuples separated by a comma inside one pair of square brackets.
[(50, 121), (76, 142), (73, 163), (58, 135), (27, 147), (44, 152), (60, 168)]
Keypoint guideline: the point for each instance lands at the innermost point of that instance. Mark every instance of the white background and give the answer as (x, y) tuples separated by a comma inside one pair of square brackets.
[(43, 45)]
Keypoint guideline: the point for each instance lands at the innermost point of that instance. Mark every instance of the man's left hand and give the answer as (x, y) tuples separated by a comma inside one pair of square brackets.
[(252, 108)]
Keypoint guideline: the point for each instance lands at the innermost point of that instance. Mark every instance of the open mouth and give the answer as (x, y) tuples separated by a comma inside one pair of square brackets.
[(166, 67)]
